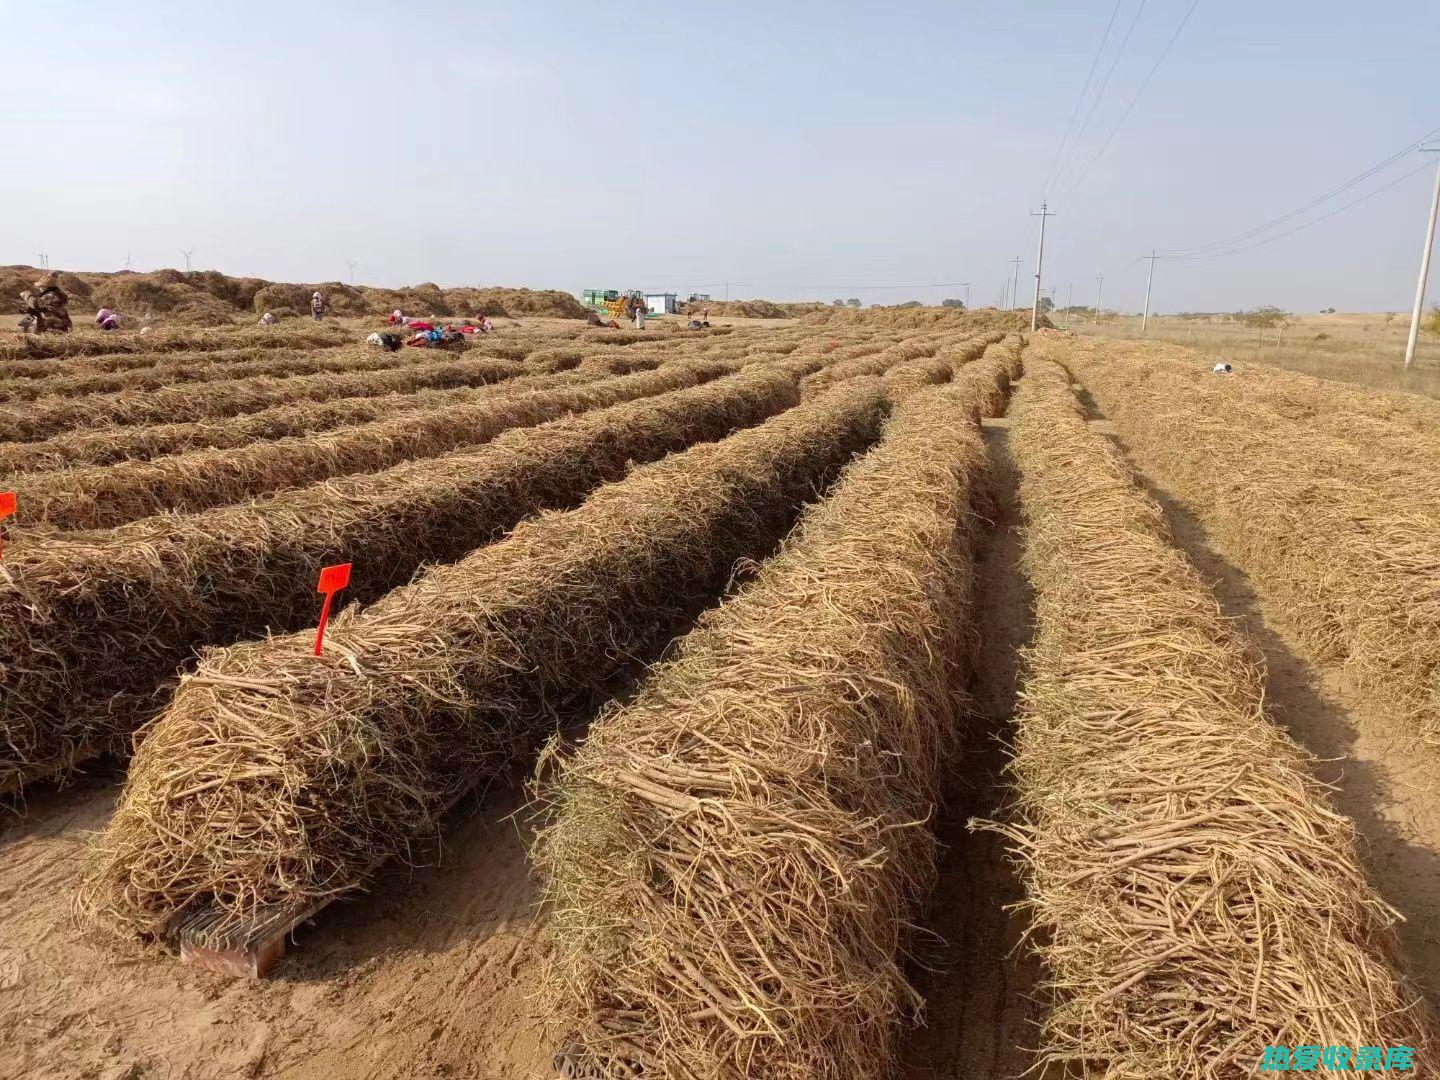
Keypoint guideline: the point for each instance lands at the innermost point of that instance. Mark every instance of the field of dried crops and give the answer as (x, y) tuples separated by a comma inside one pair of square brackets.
[(869, 696)]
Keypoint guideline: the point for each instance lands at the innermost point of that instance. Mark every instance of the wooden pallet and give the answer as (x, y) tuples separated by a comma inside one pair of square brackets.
[(210, 940), (250, 949)]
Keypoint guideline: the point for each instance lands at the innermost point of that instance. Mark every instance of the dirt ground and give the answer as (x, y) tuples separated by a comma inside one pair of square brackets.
[(433, 973), (427, 976)]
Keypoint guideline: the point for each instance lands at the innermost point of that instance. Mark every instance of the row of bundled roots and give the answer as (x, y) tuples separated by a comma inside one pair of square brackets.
[(120, 441), (105, 617), (1325, 495), (96, 623), (1195, 896), (106, 495), (734, 858), (275, 778)]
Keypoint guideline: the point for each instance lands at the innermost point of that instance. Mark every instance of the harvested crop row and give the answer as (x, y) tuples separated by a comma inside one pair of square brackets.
[(94, 625), (100, 343), (868, 363), (127, 442), (140, 442), (278, 778), (1349, 542), (109, 495), (1196, 897), (1406, 425), (735, 857), (48, 416), (278, 365)]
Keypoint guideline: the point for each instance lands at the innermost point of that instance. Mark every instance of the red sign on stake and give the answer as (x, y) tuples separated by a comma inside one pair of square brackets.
[(7, 504), (332, 580)]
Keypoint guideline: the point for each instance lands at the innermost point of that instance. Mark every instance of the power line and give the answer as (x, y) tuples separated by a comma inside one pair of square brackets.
[(1104, 85), (1070, 124), (1125, 115), (1307, 224), (1346, 186)]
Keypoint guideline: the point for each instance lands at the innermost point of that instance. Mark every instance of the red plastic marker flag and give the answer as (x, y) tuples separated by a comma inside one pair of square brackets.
[(332, 580), (7, 504)]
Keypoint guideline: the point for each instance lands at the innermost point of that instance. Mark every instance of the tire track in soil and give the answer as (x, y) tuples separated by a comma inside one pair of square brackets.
[(1384, 778), (978, 979)]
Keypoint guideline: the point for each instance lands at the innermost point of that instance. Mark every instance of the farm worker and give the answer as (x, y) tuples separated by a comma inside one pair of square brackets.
[(640, 315), (49, 306), (268, 319), (485, 324), (107, 319), (1221, 369), (593, 320), (395, 319), (317, 305), (706, 316)]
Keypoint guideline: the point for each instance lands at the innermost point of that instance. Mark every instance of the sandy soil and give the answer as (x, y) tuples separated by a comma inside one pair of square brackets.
[(979, 981), (430, 975)]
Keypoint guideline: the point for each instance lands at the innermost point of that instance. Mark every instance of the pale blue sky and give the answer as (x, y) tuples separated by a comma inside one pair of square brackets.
[(796, 149)]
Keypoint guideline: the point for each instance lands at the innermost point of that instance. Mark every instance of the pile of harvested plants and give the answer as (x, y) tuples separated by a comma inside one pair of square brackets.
[(47, 416), (869, 363), (139, 442), (94, 625), (273, 364), (1197, 897), (736, 856), (108, 495), (276, 777), (1347, 539)]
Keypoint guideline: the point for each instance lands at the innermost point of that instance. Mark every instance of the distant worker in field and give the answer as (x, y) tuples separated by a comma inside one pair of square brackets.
[(317, 305), (107, 319), (1222, 369), (48, 306), (640, 314)]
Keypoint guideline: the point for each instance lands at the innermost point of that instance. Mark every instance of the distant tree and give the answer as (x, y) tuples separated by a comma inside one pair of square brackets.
[(1389, 317), (1264, 317), (853, 302), (1046, 304), (1432, 321), (837, 303), (911, 303), (952, 303), (1327, 311)]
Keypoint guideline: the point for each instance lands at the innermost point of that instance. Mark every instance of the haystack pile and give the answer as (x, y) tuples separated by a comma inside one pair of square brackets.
[(1197, 896), (276, 777), (735, 857)]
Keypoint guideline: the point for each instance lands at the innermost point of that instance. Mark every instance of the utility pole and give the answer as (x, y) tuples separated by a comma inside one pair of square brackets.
[(187, 255), (352, 263), (967, 296), (727, 292), (1042, 214), (1069, 298), (1015, 285), (1424, 265), (1145, 319), (1099, 288), (44, 260)]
